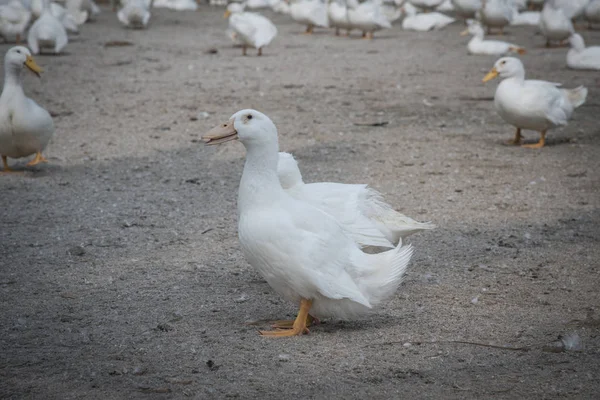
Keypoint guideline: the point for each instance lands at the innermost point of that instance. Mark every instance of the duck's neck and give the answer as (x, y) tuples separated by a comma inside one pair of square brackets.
[(260, 183), (12, 79)]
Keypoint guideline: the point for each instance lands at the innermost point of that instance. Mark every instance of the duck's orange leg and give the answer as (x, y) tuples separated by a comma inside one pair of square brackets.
[(39, 158), (298, 327), (517, 140), (539, 144)]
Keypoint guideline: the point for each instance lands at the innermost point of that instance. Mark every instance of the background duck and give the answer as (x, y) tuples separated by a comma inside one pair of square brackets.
[(251, 29), (426, 5), (554, 24), (310, 13), (14, 18), (466, 8), (581, 57), (337, 11), (47, 32), (592, 13), (368, 17), (360, 209), (531, 104), (302, 252), (424, 22), (495, 14), (135, 13), (478, 44), (25, 127)]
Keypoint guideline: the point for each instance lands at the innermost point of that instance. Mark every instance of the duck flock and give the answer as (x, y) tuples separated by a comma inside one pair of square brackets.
[(309, 240)]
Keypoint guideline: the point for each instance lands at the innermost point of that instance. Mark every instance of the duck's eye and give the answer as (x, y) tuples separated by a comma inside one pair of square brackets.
[(503, 62), (249, 116), (19, 51)]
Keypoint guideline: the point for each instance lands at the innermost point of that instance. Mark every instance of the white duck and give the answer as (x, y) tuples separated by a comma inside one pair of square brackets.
[(573, 9), (251, 29), (82, 10), (280, 6), (358, 208), (337, 11), (592, 12), (426, 5), (256, 4), (47, 32), (69, 21), (392, 9), (177, 5), (368, 17), (466, 8), (478, 44), (424, 22), (531, 18), (310, 13), (496, 14), (554, 24), (301, 251), (531, 104), (135, 13), (14, 18), (25, 127), (581, 57)]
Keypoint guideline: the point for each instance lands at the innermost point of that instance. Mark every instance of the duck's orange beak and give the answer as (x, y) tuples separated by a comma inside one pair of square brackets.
[(490, 75), (220, 134)]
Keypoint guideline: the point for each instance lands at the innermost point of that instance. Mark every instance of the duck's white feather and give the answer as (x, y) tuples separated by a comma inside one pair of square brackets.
[(361, 211)]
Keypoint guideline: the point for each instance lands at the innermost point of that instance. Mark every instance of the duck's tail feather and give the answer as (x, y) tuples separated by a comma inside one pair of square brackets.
[(383, 273), (576, 96)]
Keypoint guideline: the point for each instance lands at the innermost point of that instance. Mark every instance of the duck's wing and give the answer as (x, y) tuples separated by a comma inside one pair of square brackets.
[(308, 244), (264, 31), (343, 202), (544, 99)]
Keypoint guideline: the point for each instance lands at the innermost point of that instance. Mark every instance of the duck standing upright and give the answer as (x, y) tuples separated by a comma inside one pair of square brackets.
[(25, 127), (554, 24), (14, 18), (47, 32), (301, 251), (496, 14), (251, 29), (531, 104)]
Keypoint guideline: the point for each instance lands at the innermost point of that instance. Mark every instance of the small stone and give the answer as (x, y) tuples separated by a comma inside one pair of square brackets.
[(244, 297), (475, 300), (407, 344), (284, 357), (76, 251), (139, 370)]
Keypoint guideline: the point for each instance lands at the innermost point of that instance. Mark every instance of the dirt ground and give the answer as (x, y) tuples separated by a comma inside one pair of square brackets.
[(121, 275)]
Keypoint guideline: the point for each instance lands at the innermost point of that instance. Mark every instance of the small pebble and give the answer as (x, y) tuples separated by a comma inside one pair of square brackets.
[(284, 357), (76, 251)]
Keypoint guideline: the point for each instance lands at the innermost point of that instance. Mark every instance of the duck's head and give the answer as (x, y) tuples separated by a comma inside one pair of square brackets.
[(20, 57), (506, 67), (576, 41), (248, 126), (288, 171)]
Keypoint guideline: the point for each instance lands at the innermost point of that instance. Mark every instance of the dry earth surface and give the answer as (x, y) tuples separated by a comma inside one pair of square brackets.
[(121, 275)]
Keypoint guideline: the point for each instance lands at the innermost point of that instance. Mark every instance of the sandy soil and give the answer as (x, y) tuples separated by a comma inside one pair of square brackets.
[(121, 275)]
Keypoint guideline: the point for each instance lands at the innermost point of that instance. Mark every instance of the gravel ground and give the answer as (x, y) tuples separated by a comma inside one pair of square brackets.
[(121, 275)]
